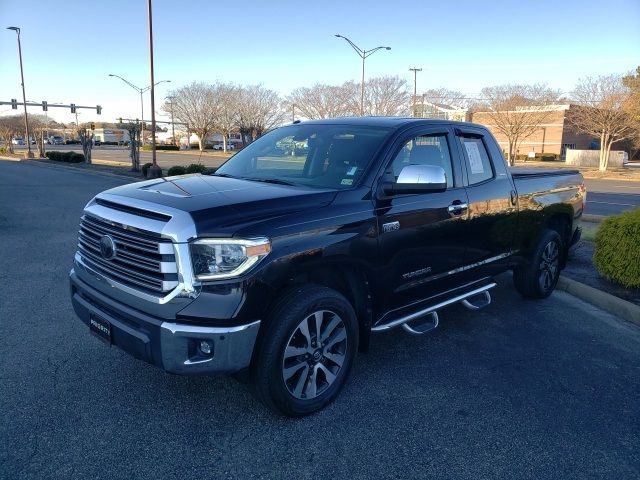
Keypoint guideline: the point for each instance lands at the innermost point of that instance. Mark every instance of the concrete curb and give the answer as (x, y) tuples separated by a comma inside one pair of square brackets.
[(587, 217), (605, 301)]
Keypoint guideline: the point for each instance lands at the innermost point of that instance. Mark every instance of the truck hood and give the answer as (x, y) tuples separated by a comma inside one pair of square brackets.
[(220, 205)]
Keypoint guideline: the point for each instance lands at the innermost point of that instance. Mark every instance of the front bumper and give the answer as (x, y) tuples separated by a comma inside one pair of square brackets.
[(171, 346)]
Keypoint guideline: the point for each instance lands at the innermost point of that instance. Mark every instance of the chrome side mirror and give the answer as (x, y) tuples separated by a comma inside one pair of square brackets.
[(418, 179)]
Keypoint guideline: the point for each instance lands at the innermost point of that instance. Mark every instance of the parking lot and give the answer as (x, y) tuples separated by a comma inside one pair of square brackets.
[(520, 389), (166, 159)]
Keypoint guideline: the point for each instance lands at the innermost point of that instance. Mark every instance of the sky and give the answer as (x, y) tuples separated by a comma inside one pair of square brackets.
[(70, 47)]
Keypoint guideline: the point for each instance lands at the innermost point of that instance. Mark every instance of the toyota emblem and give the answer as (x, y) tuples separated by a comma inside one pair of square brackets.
[(107, 247)]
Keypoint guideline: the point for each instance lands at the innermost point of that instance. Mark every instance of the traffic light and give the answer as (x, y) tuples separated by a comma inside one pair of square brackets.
[(120, 120), (45, 107), (98, 109), (14, 104), (73, 108), (93, 126)]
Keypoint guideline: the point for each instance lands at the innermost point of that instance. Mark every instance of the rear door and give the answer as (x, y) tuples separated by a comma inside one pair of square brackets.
[(492, 197), (422, 236)]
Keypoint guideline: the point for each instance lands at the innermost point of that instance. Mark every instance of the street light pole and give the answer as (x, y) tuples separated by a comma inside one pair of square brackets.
[(363, 54), (173, 126), (24, 95), (415, 83), (140, 91)]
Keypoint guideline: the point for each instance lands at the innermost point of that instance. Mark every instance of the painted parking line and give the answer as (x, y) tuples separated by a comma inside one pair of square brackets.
[(619, 204)]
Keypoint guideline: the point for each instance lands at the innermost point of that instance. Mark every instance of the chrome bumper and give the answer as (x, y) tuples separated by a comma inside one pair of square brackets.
[(231, 347), (174, 347)]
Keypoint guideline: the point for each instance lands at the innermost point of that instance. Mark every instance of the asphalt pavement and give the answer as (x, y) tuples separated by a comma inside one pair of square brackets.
[(519, 390)]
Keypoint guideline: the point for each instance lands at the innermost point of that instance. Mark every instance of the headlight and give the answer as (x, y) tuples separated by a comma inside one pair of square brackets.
[(215, 259)]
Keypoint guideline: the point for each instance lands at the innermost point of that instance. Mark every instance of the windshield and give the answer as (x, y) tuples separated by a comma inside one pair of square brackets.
[(319, 156)]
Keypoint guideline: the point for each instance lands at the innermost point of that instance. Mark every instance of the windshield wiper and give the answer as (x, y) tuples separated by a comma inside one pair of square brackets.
[(276, 181), (225, 175)]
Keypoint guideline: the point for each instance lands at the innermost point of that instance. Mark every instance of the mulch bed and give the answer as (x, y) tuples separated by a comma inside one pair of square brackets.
[(580, 268)]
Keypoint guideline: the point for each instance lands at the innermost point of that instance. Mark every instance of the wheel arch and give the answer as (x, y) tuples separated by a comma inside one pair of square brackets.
[(347, 279)]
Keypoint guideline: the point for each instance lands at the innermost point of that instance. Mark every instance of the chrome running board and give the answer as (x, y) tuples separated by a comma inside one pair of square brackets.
[(477, 306), (424, 327)]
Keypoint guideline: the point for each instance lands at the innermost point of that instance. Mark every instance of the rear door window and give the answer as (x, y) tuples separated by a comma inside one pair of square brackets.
[(477, 162)]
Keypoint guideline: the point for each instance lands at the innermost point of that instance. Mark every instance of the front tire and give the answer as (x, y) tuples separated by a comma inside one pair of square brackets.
[(305, 353), (538, 278)]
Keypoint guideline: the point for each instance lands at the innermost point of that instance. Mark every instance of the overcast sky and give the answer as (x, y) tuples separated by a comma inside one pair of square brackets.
[(69, 47)]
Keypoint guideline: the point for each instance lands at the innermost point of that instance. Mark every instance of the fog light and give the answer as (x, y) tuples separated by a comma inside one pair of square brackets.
[(206, 347)]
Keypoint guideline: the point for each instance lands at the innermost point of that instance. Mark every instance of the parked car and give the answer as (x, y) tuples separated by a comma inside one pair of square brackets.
[(57, 140), (219, 146), (17, 141), (281, 269)]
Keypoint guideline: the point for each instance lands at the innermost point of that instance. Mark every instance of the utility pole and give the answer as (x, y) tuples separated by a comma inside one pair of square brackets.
[(415, 89)]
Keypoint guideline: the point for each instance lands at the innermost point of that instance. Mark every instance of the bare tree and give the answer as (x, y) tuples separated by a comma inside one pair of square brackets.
[(10, 128), (134, 129), (86, 140), (386, 96), (601, 112), (518, 111), (226, 97), (259, 110), (632, 107), (195, 106), (444, 96), (326, 101)]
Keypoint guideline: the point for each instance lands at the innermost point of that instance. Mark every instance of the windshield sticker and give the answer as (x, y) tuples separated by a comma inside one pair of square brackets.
[(475, 161), (347, 181), (352, 171)]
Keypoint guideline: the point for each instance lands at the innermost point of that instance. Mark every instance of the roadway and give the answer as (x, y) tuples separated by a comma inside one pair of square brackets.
[(609, 197), (519, 390)]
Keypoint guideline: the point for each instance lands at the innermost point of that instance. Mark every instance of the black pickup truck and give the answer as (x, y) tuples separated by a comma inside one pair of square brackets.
[(280, 265)]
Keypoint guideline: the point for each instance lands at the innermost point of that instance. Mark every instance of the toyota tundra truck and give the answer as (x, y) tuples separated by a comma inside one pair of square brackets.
[(279, 267)]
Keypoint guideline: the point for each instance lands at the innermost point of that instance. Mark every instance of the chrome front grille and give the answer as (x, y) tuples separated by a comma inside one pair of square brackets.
[(142, 261)]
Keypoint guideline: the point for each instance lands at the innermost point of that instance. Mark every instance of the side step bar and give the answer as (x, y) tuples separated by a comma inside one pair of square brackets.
[(432, 311)]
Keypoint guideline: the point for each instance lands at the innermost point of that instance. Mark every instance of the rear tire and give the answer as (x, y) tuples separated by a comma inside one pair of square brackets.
[(305, 352), (538, 278)]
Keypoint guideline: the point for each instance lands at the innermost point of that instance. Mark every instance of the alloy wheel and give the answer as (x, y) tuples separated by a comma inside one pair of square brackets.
[(314, 354)]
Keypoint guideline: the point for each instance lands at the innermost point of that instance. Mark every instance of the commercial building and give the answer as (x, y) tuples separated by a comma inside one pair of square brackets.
[(554, 136)]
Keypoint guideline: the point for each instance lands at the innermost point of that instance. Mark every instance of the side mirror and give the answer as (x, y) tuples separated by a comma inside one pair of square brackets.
[(418, 179)]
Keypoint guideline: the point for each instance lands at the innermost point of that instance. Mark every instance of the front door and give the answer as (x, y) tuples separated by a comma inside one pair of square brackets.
[(422, 236)]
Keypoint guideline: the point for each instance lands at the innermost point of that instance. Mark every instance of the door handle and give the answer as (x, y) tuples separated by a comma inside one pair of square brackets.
[(457, 207)]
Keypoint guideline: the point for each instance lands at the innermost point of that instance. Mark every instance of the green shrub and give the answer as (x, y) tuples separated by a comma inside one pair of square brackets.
[(176, 170), (617, 255), (69, 157), (210, 170), (3, 150), (145, 169), (196, 168), (160, 147)]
